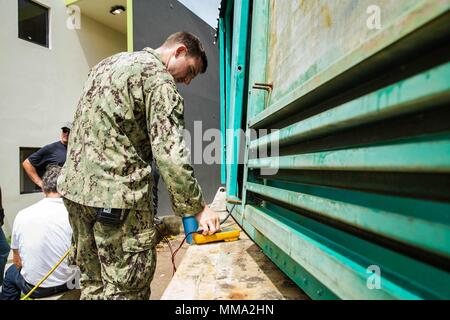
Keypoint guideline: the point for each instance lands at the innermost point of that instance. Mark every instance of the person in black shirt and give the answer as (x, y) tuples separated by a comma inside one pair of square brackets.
[(54, 153)]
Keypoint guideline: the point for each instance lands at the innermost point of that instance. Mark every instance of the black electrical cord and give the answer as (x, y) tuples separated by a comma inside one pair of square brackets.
[(228, 215), (198, 231), (168, 243), (173, 253), (176, 251)]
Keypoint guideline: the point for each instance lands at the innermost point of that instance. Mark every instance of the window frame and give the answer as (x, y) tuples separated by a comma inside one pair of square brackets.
[(47, 26), (23, 175)]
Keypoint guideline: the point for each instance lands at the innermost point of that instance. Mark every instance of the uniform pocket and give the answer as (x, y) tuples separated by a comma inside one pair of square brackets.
[(139, 260), (139, 242)]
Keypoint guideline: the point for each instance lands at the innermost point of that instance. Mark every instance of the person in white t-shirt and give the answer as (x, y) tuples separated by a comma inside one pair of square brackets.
[(41, 235)]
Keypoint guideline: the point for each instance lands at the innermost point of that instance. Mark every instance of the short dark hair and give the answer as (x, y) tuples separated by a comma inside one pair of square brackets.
[(193, 45), (50, 178)]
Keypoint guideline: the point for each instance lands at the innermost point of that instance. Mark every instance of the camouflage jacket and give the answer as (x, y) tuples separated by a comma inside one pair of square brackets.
[(129, 112)]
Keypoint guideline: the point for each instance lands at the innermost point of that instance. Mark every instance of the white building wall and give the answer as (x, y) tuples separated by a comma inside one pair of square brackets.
[(40, 87)]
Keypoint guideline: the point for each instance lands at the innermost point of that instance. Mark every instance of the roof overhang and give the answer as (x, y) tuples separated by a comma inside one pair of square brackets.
[(99, 10)]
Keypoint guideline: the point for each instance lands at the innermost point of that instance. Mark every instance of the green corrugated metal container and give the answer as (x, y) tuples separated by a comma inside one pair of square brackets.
[(351, 100)]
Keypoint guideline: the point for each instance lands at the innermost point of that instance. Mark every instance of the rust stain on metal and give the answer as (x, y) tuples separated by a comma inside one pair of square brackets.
[(306, 4), (326, 16)]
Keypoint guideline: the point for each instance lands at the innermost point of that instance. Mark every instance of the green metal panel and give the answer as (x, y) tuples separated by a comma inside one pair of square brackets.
[(333, 54), (415, 231), (425, 154), (223, 100), (256, 98), (339, 273), (331, 39), (260, 25), (237, 94), (420, 92), (334, 84), (396, 267), (298, 274), (228, 47)]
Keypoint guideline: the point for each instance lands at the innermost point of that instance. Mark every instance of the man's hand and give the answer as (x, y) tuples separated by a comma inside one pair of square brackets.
[(17, 261), (208, 220)]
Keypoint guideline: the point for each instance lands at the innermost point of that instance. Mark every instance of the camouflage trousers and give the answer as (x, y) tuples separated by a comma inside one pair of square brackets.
[(116, 263)]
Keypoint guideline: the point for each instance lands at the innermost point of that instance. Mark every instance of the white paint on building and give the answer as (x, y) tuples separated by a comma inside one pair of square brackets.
[(40, 87)]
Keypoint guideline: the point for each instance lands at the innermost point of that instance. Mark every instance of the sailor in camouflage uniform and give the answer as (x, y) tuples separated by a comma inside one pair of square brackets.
[(130, 113)]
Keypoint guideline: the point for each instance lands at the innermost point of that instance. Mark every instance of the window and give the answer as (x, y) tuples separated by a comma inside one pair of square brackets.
[(33, 22), (26, 185)]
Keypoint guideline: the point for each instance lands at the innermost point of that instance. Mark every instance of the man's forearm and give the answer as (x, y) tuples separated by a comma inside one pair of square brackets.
[(170, 151), (32, 173)]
